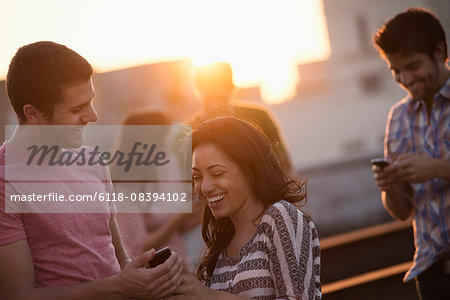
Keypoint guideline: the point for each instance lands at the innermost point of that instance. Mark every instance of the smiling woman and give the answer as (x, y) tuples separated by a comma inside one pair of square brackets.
[(258, 243), (217, 178)]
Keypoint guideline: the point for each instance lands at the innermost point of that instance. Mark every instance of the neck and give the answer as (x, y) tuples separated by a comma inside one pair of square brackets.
[(25, 136), (247, 218), (20, 137), (443, 75)]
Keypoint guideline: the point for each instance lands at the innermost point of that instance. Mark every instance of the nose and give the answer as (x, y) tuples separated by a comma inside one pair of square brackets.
[(90, 115), (404, 78), (207, 186)]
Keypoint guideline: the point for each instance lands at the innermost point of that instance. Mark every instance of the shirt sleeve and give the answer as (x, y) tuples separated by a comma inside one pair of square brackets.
[(398, 132), (11, 224), (388, 137), (294, 254)]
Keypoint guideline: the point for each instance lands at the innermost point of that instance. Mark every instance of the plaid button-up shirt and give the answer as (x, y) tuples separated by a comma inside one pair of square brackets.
[(410, 129)]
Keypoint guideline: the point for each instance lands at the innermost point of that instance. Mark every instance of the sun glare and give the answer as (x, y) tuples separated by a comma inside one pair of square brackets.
[(263, 40)]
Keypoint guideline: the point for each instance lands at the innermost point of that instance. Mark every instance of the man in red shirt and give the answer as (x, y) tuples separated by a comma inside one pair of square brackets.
[(64, 255)]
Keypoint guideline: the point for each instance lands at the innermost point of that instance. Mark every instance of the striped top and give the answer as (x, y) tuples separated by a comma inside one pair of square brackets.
[(281, 261), (409, 129)]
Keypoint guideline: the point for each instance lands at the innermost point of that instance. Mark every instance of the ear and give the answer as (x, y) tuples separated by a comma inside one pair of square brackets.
[(439, 54), (34, 116)]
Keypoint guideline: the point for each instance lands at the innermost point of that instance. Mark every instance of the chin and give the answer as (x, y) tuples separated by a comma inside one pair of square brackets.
[(215, 214), (75, 142), (417, 96), (218, 214)]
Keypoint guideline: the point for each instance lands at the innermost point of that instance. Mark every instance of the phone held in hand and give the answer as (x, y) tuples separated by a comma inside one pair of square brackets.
[(160, 257), (380, 162)]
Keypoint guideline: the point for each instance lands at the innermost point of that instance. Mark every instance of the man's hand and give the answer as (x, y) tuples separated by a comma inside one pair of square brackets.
[(161, 281), (385, 180), (409, 168), (396, 194), (413, 168)]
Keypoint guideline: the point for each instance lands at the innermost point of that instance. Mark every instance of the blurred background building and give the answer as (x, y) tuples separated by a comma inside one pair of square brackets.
[(336, 122)]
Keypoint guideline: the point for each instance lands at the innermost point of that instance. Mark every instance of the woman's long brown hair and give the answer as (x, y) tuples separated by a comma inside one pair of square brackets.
[(246, 145)]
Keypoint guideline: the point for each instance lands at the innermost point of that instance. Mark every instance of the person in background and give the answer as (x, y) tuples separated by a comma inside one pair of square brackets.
[(214, 83), (143, 231), (416, 183), (258, 243), (64, 255)]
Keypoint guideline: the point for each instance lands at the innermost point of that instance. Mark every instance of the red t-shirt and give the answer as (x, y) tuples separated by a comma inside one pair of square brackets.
[(67, 248)]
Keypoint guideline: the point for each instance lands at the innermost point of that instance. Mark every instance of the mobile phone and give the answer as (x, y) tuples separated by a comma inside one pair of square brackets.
[(380, 162), (160, 256)]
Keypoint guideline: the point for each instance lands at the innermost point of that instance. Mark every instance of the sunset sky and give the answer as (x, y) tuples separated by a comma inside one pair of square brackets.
[(263, 40)]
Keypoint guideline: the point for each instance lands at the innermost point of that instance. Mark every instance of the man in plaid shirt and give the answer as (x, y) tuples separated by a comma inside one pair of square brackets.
[(416, 183)]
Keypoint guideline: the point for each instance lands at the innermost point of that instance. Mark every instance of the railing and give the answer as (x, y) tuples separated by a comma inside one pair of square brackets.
[(368, 263)]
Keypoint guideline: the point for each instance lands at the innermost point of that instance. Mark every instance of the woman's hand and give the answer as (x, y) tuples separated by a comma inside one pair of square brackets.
[(192, 289)]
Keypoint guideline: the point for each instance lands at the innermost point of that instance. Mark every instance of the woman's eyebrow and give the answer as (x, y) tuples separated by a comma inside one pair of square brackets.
[(210, 167)]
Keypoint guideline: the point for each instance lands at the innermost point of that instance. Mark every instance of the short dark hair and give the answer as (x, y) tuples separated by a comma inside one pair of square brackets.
[(39, 72), (251, 150), (415, 30)]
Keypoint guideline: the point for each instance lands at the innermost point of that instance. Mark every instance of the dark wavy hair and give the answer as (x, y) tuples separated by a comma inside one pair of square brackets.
[(415, 30), (247, 146), (39, 72)]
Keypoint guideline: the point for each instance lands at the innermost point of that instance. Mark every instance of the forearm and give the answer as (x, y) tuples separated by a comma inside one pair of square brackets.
[(120, 253), (108, 288), (399, 202), (17, 280)]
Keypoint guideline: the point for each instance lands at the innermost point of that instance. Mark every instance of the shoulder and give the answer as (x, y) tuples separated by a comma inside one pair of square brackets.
[(401, 107), (286, 210), (194, 117), (248, 104), (284, 216), (400, 118), (90, 156), (260, 115), (251, 107), (84, 150)]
